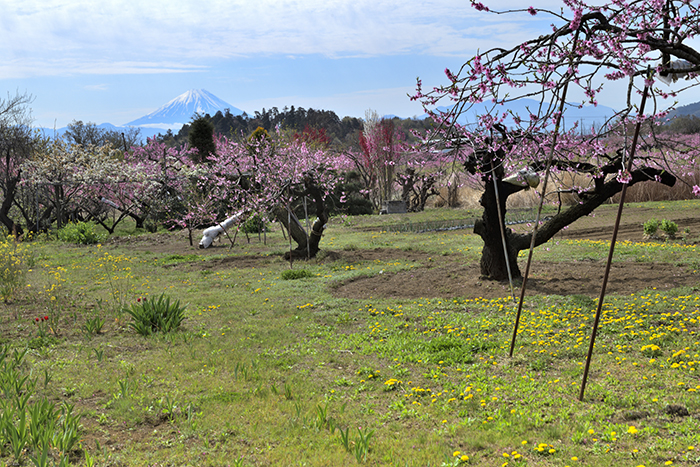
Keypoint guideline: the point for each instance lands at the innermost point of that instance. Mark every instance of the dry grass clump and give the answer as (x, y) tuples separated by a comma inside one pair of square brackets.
[(642, 192)]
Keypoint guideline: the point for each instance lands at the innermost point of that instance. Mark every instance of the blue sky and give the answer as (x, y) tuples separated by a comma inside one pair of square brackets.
[(115, 61)]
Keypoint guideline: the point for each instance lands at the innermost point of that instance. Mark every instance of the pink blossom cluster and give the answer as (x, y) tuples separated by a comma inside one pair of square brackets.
[(590, 45)]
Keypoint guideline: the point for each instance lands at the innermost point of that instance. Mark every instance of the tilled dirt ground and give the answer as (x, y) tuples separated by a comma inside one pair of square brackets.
[(451, 277)]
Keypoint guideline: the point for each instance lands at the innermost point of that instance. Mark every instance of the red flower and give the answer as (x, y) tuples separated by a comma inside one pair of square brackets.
[(36, 319), (46, 318), (138, 299)]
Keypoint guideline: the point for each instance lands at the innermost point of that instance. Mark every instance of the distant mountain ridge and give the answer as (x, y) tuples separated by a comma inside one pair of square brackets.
[(686, 110), (146, 132), (180, 110), (586, 117)]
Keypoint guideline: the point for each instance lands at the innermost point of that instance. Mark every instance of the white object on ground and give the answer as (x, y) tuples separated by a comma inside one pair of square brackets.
[(211, 233)]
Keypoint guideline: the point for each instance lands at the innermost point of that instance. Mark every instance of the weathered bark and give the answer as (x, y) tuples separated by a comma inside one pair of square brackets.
[(96, 211), (602, 194), (307, 245), (37, 218), (16, 146), (493, 262), (416, 189), (295, 229), (493, 257)]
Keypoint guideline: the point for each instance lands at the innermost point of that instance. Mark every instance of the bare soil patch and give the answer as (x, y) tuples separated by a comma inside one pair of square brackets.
[(452, 279), (449, 276), (600, 225)]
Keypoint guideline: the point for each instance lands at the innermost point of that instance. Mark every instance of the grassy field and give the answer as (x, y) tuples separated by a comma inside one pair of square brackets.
[(275, 368)]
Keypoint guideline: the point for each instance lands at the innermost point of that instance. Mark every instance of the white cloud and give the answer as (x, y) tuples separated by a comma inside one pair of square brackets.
[(83, 36), (17, 69)]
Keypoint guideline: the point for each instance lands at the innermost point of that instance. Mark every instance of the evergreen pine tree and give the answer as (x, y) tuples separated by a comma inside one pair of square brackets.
[(201, 137)]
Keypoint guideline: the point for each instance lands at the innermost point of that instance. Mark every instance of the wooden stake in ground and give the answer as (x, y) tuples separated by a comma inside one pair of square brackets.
[(523, 286), (612, 247)]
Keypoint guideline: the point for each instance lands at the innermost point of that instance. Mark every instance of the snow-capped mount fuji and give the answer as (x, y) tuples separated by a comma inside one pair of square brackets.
[(180, 110)]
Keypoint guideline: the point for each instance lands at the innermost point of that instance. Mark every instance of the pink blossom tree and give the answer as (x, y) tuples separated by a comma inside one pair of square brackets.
[(420, 174), (271, 175), (642, 43), (162, 178), (380, 153)]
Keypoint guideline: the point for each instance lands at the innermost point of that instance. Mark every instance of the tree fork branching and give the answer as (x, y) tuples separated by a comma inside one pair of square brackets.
[(307, 245), (600, 196)]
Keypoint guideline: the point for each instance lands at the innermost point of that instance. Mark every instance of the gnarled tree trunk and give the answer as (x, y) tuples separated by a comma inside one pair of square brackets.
[(307, 245), (10, 189), (492, 224)]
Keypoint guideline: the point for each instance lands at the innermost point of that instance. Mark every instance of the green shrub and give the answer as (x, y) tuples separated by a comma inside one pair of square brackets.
[(82, 233), (291, 274), (669, 228), (152, 315), (650, 227), (254, 224), (348, 197)]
